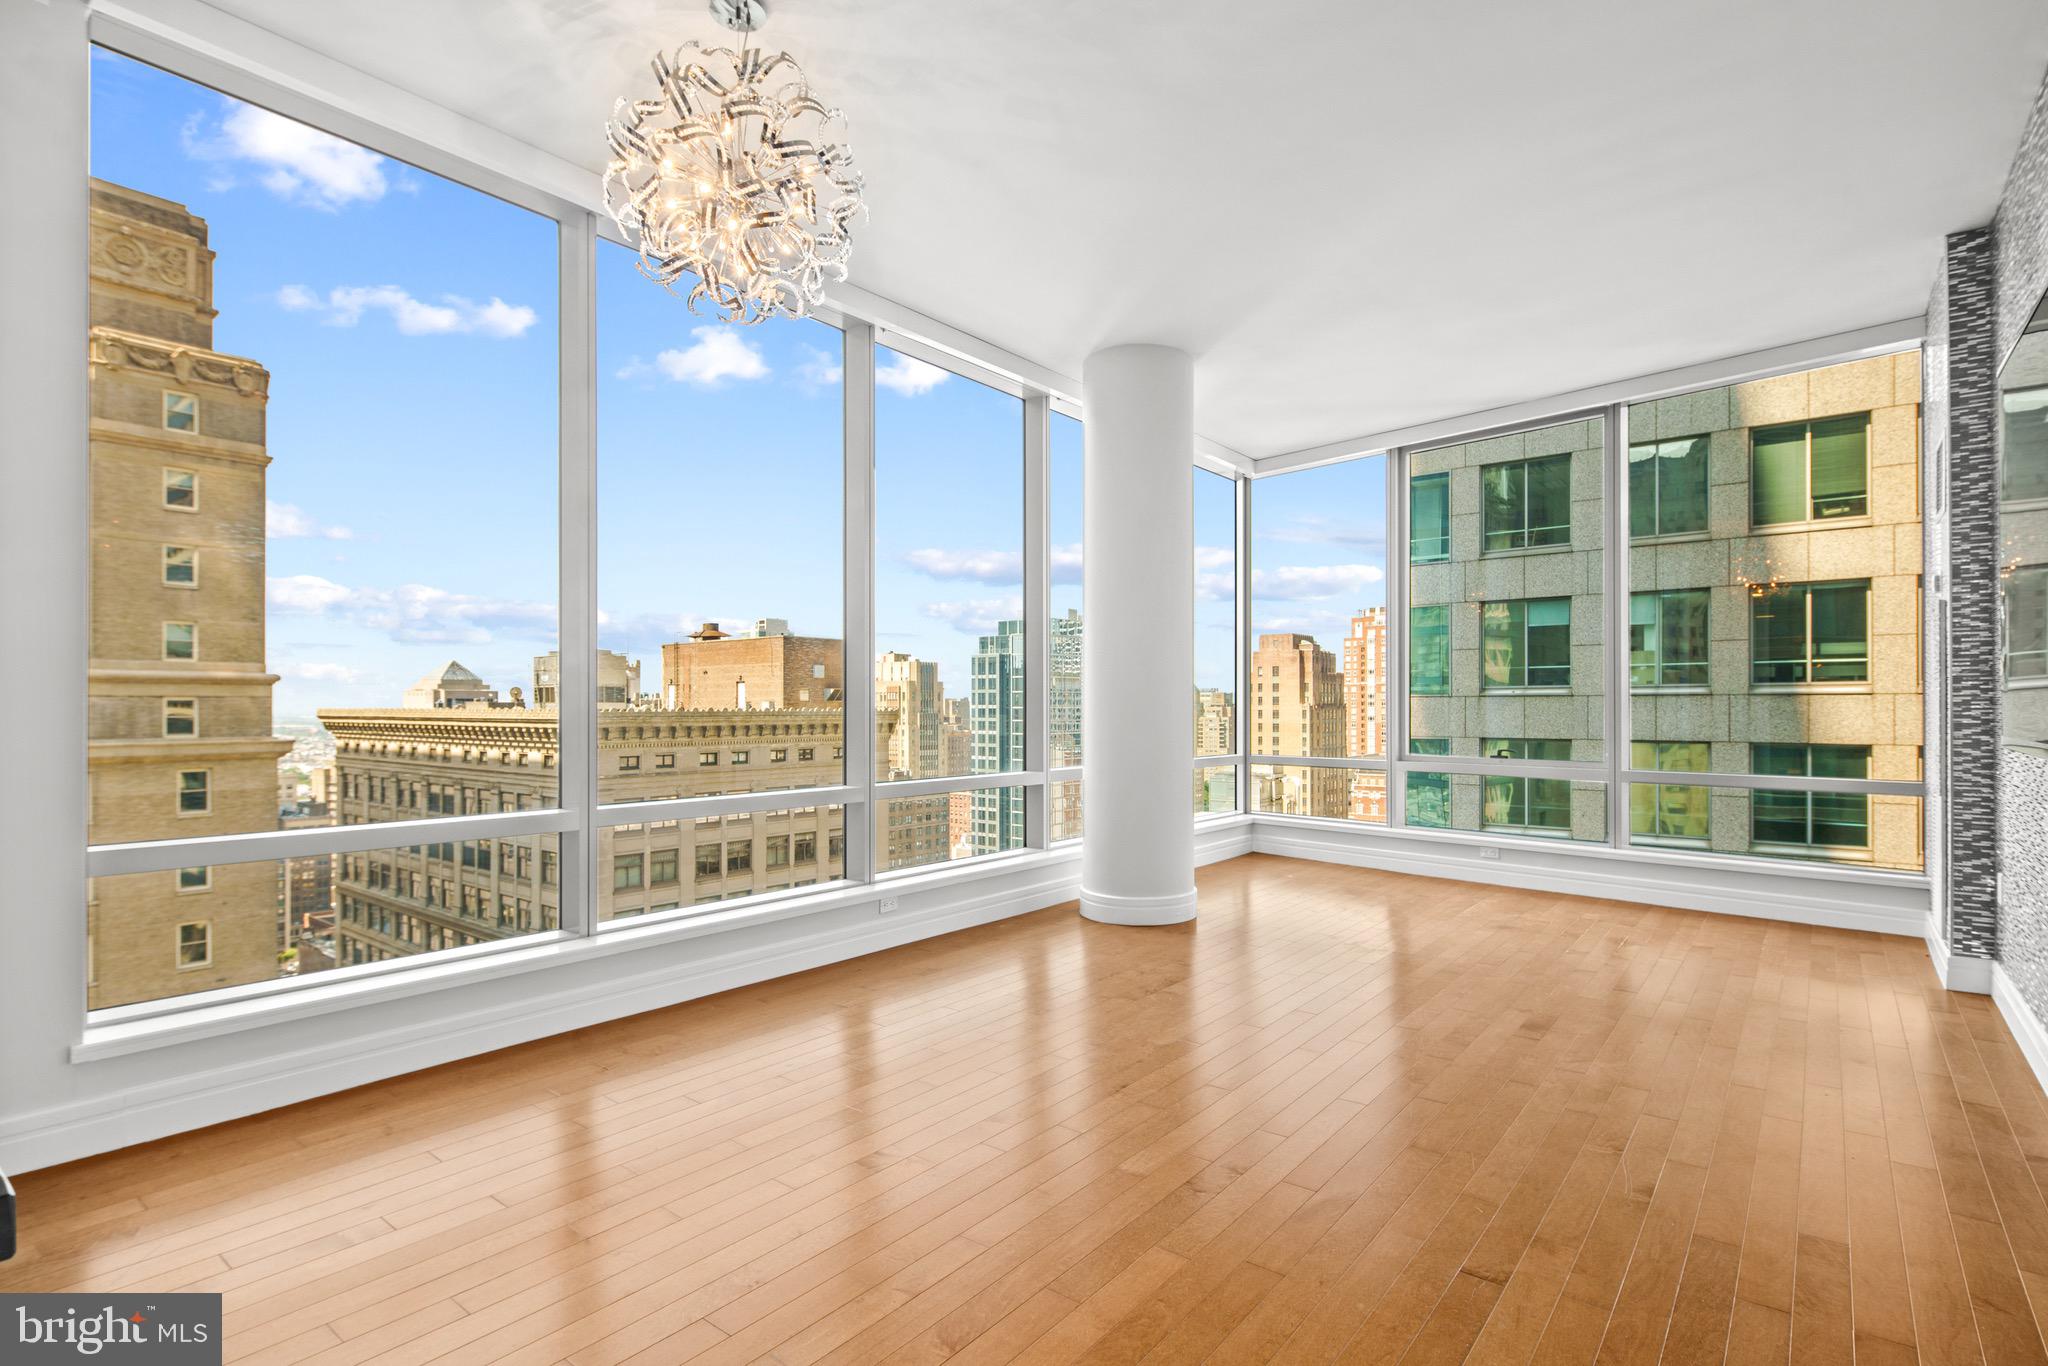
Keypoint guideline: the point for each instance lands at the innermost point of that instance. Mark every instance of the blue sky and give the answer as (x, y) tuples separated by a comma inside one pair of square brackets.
[(1319, 548), (409, 325)]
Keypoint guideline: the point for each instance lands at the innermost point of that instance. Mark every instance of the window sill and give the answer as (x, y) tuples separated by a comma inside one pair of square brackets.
[(1521, 552), (1672, 538), (1671, 689), (1813, 689), (117, 1036), (1546, 690), (1790, 528)]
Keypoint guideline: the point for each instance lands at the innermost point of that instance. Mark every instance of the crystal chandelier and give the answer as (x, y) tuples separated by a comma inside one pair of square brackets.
[(744, 187)]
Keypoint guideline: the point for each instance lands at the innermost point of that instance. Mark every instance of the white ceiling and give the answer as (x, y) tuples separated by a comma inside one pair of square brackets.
[(1357, 216)]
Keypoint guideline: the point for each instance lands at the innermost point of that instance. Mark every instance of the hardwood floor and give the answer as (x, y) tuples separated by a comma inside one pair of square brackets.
[(1348, 1116)]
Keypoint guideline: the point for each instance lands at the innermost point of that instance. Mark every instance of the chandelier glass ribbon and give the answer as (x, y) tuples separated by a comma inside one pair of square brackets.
[(736, 178)]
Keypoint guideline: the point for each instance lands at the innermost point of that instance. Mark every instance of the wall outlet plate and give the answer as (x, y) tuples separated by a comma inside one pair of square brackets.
[(886, 905), (1489, 853)]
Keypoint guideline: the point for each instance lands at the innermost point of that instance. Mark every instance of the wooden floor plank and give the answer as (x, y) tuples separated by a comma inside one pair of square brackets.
[(1347, 1115)]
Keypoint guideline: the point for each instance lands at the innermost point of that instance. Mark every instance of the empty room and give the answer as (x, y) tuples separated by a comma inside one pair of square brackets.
[(810, 681)]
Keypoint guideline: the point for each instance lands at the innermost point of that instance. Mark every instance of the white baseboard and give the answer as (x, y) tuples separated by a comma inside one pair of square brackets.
[(192, 1097), (2026, 1027), (1957, 972), (1700, 885)]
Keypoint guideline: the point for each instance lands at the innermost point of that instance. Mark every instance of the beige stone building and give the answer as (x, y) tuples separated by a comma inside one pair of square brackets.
[(1365, 709), (908, 690), (1773, 612), (178, 694)]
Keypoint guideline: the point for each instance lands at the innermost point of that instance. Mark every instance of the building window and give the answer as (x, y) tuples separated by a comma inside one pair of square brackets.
[(1667, 639), (661, 869), (629, 763), (181, 566), (2023, 475), (741, 756), (195, 944), (1534, 806), (181, 413), (803, 756), (835, 847), (806, 848), (194, 792), (708, 862), (707, 758), (181, 640), (1810, 471), (1527, 503), (1429, 650), (1810, 633), (1836, 823), (1526, 643), (195, 879), (739, 856), (664, 761), (181, 490), (1669, 813), (1429, 518), (2026, 624), (778, 852), (627, 871), (778, 756), (1667, 487), (181, 716)]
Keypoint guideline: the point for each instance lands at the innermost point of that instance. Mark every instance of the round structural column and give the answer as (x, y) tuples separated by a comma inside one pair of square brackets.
[(1137, 672)]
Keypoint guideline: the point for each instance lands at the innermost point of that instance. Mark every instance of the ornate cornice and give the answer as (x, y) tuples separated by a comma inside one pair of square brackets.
[(196, 365)]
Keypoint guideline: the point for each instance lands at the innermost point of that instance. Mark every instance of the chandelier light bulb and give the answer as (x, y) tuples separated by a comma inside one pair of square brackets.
[(733, 142)]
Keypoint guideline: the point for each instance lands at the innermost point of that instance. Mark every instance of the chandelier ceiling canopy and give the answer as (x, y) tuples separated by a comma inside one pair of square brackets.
[(734, 177)]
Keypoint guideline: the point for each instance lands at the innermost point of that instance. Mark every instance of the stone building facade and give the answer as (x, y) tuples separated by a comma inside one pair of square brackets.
[(1774, 598), (178, 694), (1297, 702)]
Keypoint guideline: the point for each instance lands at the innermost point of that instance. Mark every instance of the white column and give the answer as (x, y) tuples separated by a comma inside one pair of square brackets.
[(1138, 860)]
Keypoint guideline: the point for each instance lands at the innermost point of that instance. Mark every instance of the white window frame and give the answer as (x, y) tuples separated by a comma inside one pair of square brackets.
[(171, 471), (1611, 403), (205, 928), (178, 796), (192, 399), (191, 710), (164, 641), (191, 554)]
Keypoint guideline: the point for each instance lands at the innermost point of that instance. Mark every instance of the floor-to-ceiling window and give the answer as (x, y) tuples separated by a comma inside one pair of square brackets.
[(324, 570), (1216, 641), (1317, 680), (1066, 627), (1505, 618), (1774, 615)]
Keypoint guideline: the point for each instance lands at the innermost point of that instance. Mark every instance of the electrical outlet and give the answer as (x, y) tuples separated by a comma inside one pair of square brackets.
[(886, 905), (1489, 853)]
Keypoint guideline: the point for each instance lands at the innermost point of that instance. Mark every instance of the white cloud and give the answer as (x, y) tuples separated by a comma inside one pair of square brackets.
[(290, 160), (976, 616), (1215, 573), (284, 522), (983, 566), (346, 305), (716, 355), (1297, 581), (1314, 529), (908, 376), (319, 671), (413, 611), (820, 369), (1066, 564)]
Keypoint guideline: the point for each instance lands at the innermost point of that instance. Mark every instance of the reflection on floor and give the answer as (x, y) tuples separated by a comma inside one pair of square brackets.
[(1346, 1115)]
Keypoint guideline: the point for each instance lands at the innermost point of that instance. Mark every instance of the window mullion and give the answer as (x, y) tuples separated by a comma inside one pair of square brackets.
[(1037, 618), (862, 824), (1615, 582), (576, 698)]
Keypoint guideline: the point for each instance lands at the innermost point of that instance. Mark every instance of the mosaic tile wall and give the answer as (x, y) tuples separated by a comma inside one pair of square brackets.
[(1968, 434), (2021, 231)]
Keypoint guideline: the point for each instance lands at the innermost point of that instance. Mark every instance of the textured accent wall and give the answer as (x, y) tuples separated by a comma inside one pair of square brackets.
[(2021, 232), (1969, 436), (1934, 604)]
